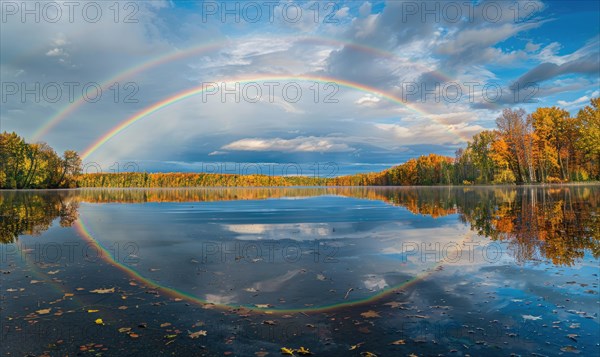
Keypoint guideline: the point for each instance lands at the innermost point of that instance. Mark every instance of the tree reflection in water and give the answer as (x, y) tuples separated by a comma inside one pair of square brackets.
[(558, 223)]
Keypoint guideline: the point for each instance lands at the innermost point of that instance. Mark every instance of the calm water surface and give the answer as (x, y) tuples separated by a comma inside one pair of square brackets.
[(339, 271)]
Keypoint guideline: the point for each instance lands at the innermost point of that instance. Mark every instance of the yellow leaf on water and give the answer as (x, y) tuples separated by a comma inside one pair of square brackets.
[(353, 347), (99, 322), (103, 291), (399, 342), (368, 354), (303, 351), (124, 329), (92, 311), (287, 351), (44, 311)]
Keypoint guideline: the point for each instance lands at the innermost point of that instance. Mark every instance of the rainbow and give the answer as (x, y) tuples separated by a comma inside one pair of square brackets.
[(83, 231), (127, 73), (66, 111), (200, 89)]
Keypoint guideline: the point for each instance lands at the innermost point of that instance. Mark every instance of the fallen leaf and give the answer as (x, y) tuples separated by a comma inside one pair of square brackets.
[(44, 311), (303, 351), (261, 353), (165, 324), (353, 347), (99, 322), (569, 349), (287, 351), (197, 334), (103, 291), (92, 311), (370, 314), (124, 329), (399, 342), (368, 354)]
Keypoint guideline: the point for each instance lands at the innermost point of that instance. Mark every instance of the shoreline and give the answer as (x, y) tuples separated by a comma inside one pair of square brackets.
[(513, 185)]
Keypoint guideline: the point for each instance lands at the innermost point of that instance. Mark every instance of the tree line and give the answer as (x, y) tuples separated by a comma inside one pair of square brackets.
[(546, 146)]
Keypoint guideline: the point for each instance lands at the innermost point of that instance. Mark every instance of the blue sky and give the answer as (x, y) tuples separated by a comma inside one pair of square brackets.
[(395, 48)]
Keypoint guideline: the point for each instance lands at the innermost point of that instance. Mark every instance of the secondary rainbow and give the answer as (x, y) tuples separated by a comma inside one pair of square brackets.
[(127, 73), (176, 55)]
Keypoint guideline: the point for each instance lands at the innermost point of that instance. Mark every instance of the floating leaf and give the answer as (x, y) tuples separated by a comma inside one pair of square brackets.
[(370, 314), (99, 322), (124, 329), (92, 311), (399, 342), (569, 349), (197, 334), (353, 347), (166, 324), (287, 351), (103, 291), (368, 354), (44, 311), (303, 351)]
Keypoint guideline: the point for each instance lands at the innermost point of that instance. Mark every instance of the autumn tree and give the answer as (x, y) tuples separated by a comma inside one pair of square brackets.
[(588, 141)]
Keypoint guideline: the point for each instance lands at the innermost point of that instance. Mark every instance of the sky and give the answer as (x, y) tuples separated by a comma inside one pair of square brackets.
[(315, 88)]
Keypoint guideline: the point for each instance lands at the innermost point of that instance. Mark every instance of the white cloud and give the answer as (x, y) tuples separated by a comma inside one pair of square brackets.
[(299, 144), (368, 100), (579, 101)]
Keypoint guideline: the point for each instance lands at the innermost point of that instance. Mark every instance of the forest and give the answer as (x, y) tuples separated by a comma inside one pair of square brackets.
[(546, 146)]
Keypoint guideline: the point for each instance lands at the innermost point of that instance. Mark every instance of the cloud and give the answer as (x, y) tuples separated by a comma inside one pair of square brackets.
[(368, 100), (579, 101), (587, 65), (299, 144)]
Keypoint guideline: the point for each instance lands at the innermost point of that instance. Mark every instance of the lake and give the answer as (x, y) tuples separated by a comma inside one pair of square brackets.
[(342, 271)]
